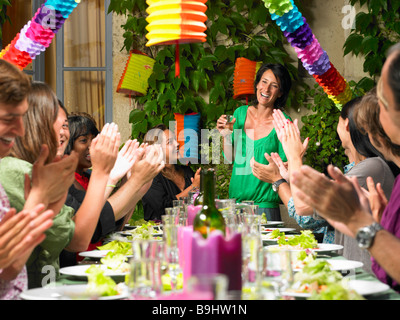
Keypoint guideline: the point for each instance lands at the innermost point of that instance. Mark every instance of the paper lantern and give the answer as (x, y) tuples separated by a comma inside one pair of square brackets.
[(314, 59), (134, 79), (243, 78), (38, 33), (187, 132), (175, 22)]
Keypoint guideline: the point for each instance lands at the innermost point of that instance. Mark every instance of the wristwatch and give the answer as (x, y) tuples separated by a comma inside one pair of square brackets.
[(276, 184), (365, 235)]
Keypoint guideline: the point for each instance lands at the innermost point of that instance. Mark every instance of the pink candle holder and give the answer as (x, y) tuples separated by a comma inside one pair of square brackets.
[(192, 212), (218, 255)]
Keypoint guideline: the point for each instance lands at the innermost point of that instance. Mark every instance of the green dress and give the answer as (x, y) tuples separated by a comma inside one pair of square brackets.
[(43, 263), (244, 185)]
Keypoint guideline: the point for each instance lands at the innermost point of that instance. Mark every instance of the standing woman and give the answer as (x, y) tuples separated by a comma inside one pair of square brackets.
[(253, 136)]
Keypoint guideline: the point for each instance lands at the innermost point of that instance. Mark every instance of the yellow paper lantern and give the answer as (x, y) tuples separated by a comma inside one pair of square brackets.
[(175, 22), (138, 69)]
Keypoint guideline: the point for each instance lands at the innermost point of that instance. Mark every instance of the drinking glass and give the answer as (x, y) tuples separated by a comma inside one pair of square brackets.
[(214, 286), (144, 280), (171, 253), (277, 269), (177, 203), (229, 124)]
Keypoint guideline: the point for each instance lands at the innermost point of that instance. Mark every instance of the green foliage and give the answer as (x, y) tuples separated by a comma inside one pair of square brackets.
[(375, 31), (206, 69), (3, 14)]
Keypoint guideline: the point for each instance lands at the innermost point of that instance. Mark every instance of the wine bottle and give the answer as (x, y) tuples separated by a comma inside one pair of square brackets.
[(209, 218), (199, 198)]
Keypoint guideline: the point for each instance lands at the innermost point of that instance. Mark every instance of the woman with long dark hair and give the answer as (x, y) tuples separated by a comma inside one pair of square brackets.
[(253, 136)]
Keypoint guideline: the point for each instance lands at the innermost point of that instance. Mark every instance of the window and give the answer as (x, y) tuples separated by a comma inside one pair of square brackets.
[(84, 65)]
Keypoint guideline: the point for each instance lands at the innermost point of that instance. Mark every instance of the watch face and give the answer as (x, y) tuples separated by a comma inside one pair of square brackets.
[(274, 187), (364, 238)]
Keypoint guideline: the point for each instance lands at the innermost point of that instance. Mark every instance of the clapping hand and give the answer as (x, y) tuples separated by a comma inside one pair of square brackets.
[(104, 148), (20, 233), (125, 160), (289, 135), (265, 172)]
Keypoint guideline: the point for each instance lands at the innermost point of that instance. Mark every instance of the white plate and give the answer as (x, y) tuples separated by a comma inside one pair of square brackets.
[(80, 271), (340, 265), (66, 292), (272, 223), (362, 287), (365, 287), (97, 254), (267, 230), (322, 247), (129, 233), (266, 237)]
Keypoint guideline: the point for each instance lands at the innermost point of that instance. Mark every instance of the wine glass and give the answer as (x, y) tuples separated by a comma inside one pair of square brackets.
[(277, 269)]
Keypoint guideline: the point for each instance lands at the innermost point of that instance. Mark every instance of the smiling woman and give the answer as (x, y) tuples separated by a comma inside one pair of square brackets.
[(254, 135)]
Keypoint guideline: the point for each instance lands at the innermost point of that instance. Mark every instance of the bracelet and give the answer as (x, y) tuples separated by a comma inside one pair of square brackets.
[(111, 185)]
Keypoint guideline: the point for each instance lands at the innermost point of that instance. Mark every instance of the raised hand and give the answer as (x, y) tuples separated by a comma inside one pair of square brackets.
[(377, 199), (221, 125), (283, 166), (21, 233), (265, 172), (104, 148), (125, 160), (49, 182)]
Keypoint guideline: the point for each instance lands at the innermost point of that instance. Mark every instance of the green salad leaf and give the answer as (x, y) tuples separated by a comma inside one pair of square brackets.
[(115, 261), (100, 284), (336, 291), (305, 240), (118, 246), (317, 271)]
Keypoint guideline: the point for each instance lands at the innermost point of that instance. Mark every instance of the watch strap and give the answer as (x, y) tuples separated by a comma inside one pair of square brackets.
[(276, 184)]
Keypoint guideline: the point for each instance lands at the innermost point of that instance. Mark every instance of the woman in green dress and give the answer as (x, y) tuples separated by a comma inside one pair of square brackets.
[(254, 135)]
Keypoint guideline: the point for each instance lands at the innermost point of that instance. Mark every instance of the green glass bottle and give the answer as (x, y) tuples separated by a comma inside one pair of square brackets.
[(199, 198), (209, 218)]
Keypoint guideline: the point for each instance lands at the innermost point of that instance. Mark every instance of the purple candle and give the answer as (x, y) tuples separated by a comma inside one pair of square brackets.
[(192, 212), (218, 255)]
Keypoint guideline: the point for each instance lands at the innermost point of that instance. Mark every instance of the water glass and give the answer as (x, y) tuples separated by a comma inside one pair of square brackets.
[(213, 286), (144, 280), (225, 205), (177, 203), (277, 269), (171, 253)]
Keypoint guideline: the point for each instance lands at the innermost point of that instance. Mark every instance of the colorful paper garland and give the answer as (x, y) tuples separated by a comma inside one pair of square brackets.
[(35, 37), (314, 59)]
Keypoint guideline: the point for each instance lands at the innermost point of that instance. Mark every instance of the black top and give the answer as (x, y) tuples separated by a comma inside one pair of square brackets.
[(161, 194), (105, 225)]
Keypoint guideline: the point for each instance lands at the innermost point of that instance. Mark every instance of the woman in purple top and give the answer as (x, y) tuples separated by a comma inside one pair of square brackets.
[(387, 213)]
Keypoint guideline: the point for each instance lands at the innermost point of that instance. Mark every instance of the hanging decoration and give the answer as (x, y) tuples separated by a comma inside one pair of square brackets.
[(35, 37), (243, 78), (138, 69), (314, 59), (176, 22), (187, 131)]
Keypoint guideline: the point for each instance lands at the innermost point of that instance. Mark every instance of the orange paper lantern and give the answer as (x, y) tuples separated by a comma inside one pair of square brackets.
[(176, 22), (243, 77)]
